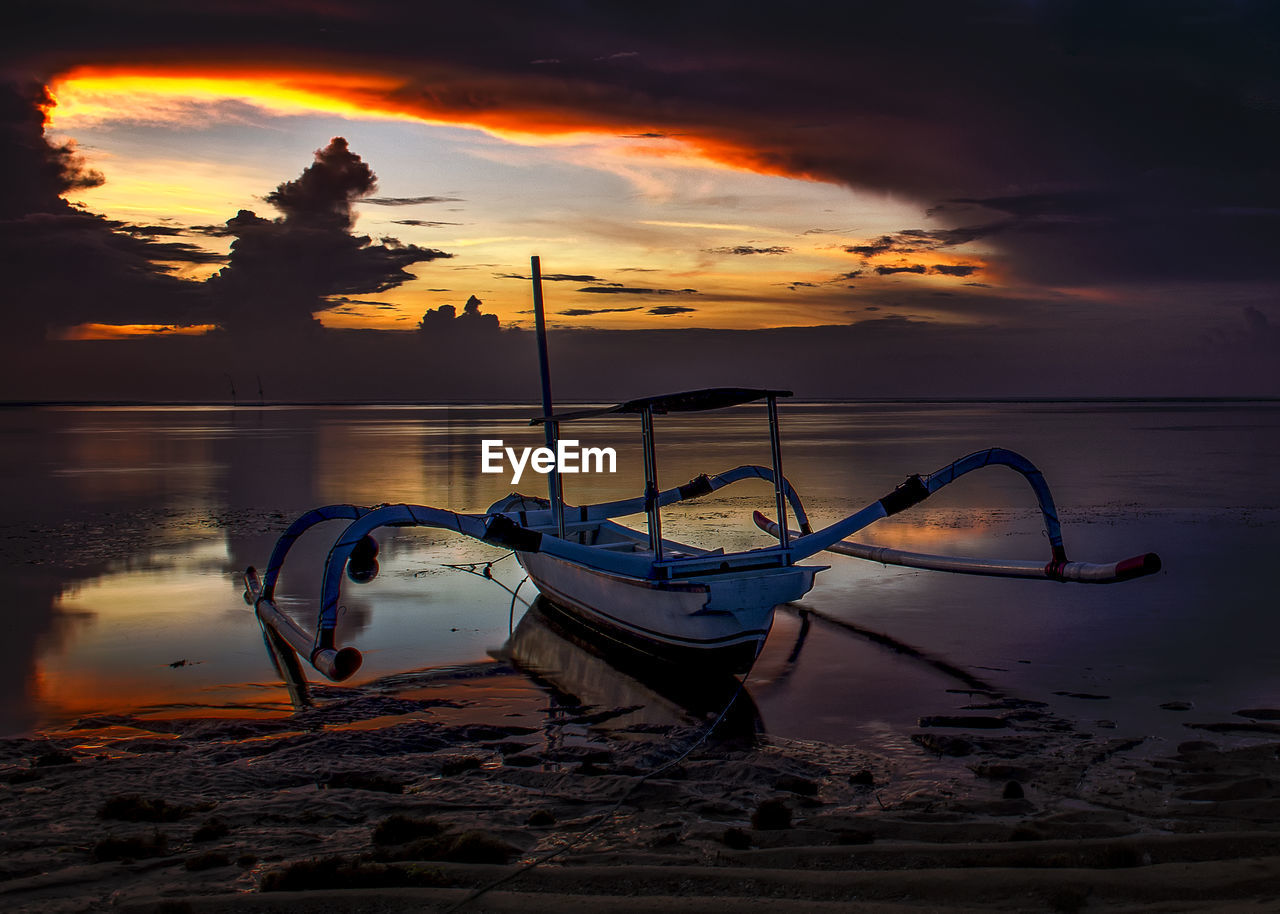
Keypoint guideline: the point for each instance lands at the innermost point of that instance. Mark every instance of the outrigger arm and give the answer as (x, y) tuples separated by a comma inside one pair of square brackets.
[(520, 531), (917, 488)]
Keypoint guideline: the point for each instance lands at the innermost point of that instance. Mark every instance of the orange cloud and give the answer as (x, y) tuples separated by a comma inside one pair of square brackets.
[(131, 331), (528, 116)]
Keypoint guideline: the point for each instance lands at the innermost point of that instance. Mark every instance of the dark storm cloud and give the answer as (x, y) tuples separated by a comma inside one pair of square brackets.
[(583, 312), (1128, 143), (1158, 121), (62, 265), (665, 310), (421, 223), (408, 201), (35, 171), (912, 268), (281, 270), (746, 249)]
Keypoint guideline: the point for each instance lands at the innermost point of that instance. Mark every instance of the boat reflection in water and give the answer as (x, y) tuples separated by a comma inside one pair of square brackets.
[(585, 683), (582, 671)]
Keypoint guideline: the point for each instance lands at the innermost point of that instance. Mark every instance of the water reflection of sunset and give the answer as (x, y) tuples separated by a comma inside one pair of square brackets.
[(175, 502)]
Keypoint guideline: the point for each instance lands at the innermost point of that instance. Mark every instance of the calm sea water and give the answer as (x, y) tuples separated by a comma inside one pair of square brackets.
[(125, 532)]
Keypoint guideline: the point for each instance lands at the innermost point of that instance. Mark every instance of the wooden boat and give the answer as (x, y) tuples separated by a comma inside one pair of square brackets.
[(671, 601)]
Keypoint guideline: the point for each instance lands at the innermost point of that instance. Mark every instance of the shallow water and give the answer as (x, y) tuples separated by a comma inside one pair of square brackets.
[(126, 531)]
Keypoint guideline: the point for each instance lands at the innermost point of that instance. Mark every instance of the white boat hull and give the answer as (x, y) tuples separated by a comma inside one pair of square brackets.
[(720, 622)]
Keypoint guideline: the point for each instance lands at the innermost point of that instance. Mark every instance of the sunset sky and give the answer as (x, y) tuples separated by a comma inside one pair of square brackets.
[(990, 199)]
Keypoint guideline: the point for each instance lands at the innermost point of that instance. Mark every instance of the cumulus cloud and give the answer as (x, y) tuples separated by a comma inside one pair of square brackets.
[(281, 270), (444, 323)]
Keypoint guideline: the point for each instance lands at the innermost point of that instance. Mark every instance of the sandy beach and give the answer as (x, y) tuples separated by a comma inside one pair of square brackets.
[(383, 803)]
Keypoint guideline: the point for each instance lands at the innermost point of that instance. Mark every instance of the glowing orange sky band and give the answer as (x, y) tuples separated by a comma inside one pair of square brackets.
[(368, 95), (132, 331)]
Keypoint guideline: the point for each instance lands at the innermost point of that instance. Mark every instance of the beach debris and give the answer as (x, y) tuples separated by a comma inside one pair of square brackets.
[(1084, 696), (132, 848), (1000, 771), (771, 815), (1229, 726), (399, 837), (342, 873), (797, 785), (851, 836), (736, 839), (862, 778), (462, 765), (132, 807), (541, 818), (1196, 745), (471, 846), (212, 830), (53, 757), (209, 860), (400, 829), (1013, 791)]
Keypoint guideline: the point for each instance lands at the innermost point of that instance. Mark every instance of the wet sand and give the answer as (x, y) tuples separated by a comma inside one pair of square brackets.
[(418, 800)]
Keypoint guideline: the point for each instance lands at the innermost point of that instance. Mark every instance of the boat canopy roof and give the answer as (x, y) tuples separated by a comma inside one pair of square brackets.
[(685, 402)]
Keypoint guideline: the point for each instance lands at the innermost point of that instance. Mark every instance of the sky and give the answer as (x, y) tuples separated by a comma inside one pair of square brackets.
[(338, 200)]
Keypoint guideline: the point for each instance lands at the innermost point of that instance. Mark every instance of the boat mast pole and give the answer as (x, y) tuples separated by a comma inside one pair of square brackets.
[(775, 444), (651, 483), (551, 427)]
